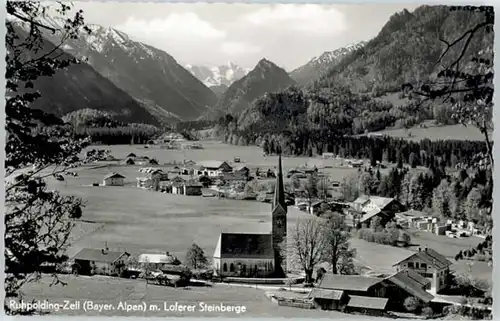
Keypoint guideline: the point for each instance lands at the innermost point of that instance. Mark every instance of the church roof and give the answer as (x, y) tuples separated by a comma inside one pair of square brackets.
[(244, 245), (279, 189)]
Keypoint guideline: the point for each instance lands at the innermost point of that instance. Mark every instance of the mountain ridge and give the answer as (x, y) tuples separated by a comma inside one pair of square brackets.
[(319, 65), (265, 77), (150, 75)]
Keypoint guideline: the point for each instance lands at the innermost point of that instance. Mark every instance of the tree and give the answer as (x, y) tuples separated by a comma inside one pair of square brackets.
[(296, 181), (38, 221), (338, 251), (466, 79), (411, 304), (349, 187), (195, 257), (308, 245), (311, 188)]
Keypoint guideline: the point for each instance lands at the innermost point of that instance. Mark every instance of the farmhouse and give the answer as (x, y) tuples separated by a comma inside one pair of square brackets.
[(243, 170), (254, 255), (189, 162), (100, 261), (113, 179), (153, 262), (373, 206), (430, 264), (214, 168), (369, 294), (152, 179), (129, 161)]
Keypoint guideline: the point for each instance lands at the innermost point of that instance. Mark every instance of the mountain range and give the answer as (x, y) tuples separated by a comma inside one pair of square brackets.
[(153, 78), (218, 77), (266, 77), (319, 65)]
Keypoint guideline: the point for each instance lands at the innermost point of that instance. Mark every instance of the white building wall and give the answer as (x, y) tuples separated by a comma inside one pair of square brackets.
[(265, 267)]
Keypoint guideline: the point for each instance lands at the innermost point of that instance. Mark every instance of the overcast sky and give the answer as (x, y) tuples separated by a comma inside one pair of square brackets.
[(213, 34)]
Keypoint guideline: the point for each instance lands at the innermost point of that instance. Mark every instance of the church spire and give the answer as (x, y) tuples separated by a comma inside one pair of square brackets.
[(279, 190)]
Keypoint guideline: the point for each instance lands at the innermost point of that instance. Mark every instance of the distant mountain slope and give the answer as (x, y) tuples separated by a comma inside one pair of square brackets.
[(405, 50), (151, 76), (319, 65), (266, 77), (218, 76), (80, 87)]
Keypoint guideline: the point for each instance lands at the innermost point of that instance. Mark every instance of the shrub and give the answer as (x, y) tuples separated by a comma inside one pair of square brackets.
[(427, 312), (411, 304)]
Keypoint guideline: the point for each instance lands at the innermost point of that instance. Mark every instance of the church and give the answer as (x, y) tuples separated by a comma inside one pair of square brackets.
[(256, 255)]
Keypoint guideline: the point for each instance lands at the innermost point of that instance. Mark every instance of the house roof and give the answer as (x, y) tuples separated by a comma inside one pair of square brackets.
[(243, 245), (430, 257), (131, 155), (113, 175), (370, 214), (381, 202), (240, 168), (129, 161), (98, 255), (413, 283), (361, 200), (327, 294), (366, 302), (156, 258), (348, 282), (412, 213), (211, 164)]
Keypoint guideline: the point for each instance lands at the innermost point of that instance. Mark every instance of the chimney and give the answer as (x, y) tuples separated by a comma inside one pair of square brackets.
[(425, 248), (103, 251), (419, 249)]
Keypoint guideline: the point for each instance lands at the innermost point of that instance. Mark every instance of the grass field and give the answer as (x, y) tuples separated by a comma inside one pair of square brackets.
[(112, 291), (457, 132)]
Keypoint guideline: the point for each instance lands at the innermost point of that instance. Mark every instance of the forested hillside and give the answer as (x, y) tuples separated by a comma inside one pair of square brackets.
[(364, 92)]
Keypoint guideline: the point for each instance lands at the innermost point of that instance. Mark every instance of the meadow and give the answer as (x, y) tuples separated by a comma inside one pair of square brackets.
[(453, 132), (113, 290)]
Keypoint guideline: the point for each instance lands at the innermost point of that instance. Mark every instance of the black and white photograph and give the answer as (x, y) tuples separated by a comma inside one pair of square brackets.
[(249, 160)]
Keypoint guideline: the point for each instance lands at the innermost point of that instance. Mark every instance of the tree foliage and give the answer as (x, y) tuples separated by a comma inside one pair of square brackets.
[(195, 257), (38, 220)]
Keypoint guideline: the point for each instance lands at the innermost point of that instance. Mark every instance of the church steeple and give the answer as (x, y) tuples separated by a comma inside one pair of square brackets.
[(279, 189)]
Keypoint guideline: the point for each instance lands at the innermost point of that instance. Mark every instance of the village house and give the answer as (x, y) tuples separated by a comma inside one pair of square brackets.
[(430, 264), (214, 168), (154, 261), (383, 207), (180, 186), (99, 261), (129, 161), (253, 255), (189, 163), (152, 179), (371, 295), (335, 291), (142, 160), (242, 170), (113, 179), (229, 178), (409, 219)]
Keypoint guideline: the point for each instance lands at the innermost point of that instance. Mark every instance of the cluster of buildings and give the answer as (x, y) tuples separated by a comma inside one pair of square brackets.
[(421, 275)]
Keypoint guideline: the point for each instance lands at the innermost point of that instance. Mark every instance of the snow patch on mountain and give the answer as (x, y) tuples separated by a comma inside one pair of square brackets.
[(218, 75)]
